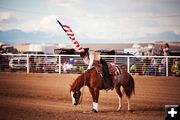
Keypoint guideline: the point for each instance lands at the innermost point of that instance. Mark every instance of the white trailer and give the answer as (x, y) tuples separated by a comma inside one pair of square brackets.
[(46, 48)]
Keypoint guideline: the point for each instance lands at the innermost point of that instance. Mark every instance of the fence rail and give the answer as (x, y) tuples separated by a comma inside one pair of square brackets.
[(41, 63)]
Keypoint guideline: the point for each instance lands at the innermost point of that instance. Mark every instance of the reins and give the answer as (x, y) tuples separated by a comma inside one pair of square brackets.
[(83, 90)]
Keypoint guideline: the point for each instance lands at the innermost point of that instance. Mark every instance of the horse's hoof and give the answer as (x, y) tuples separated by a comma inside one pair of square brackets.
[(130, 110), (93, 110), (119, 109)]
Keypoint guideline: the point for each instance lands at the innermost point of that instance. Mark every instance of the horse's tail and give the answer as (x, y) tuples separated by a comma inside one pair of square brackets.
[(130, 87)]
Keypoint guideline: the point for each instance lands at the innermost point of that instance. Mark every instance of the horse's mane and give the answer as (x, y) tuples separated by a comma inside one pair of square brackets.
[(80, 79)]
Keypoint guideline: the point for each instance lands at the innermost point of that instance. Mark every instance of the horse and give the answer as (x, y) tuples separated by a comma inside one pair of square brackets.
[(94, 81)]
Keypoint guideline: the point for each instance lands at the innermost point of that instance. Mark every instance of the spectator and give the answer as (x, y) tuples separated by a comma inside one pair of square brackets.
[(154, 51), (144, 69), (67, 67), (163, 61), (150, 52), (166, 49), (160, 69), (71, 61), (175, 68), (151, 67), (155, 63), (160, 51), (133, 68)]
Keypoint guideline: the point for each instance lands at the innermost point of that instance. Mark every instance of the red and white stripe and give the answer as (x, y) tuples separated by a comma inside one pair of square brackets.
[(71, 36)]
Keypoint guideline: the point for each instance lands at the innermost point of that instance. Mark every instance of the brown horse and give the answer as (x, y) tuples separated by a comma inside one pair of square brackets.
[(94, 81)]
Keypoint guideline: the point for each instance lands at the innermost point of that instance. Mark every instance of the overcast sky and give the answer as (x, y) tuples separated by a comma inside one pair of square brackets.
[(93, 21)]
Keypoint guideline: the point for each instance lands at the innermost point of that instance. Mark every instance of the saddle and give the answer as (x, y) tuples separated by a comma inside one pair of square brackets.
[(114, 71), (112, 68)]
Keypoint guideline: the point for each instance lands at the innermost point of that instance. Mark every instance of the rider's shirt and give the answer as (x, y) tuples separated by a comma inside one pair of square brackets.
[(89, 60)]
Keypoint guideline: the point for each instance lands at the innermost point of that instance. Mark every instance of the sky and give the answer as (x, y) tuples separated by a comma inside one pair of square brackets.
[(92, 21)]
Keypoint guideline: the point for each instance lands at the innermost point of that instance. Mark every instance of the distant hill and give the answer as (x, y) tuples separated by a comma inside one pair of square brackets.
[(16, 36)]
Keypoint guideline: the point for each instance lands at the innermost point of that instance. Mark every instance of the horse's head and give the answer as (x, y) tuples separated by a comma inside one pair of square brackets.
[(75, 97), (78, 83)]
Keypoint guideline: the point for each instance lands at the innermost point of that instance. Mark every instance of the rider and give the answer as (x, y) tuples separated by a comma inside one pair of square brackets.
[(91, 58)]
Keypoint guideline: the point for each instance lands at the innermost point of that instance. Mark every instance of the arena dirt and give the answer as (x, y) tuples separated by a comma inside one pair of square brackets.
[(47, 97)]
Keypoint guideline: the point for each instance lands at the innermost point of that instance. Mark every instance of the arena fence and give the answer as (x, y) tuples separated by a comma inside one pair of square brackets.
[(41, 63)]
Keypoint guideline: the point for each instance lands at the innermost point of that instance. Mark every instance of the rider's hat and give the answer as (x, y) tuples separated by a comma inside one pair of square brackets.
[(82, 54)]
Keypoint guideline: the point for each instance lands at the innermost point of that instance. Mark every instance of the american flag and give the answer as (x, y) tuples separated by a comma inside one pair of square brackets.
[(71, 36)]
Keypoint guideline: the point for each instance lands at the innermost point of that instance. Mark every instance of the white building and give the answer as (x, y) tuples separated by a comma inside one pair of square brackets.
[(136, 50), (65, 45)]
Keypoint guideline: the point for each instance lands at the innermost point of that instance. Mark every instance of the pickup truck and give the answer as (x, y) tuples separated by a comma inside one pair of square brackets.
[(18, 63)]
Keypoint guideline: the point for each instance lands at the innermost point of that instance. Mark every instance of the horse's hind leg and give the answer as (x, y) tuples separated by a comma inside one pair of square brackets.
[(117, 87), (128, 102)]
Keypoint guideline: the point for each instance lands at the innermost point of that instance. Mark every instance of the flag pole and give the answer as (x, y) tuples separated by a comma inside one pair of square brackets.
[(71, 36), (60, 25)]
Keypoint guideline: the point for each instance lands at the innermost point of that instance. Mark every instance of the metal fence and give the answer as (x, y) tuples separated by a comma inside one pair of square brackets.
[(141, 65)]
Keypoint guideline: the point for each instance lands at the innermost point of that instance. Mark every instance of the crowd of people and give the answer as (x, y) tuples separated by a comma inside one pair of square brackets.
[(163, 50), (150, 65), (157, 65)]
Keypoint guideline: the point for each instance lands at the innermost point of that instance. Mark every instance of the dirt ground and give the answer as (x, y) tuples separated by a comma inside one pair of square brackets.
[(47, 97)]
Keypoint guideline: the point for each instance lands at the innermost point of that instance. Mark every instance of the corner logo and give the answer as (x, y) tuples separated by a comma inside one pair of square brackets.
[(172, 112)]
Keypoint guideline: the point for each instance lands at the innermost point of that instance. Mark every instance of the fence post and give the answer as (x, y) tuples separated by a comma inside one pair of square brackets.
[(27, 63), (167, 67), (114, 59), (128, 65), (59, 64)]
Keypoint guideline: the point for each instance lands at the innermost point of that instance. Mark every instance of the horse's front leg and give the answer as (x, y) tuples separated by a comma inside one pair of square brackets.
[(95, 94)]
